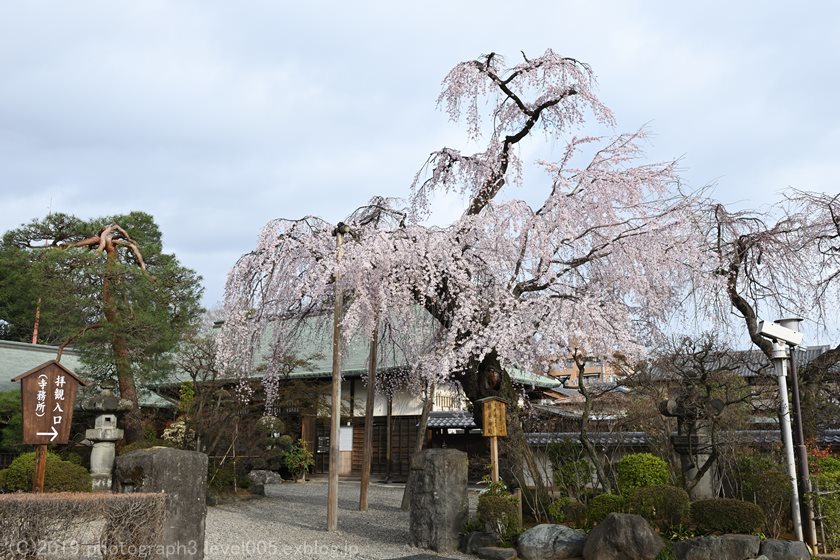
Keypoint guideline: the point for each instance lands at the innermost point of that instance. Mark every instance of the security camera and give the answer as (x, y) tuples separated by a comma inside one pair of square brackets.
[(775, 331)]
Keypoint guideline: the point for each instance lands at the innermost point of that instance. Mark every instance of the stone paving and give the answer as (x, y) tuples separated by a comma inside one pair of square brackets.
[(291, 522)]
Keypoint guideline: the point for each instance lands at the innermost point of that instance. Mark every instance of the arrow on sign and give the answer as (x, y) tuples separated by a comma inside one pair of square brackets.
[(53, 433)]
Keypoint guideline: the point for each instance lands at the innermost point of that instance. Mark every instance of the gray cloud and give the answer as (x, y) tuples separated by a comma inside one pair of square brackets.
[(216, 117)]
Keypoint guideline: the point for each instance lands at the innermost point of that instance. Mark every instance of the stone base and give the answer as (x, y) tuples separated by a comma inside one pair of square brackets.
[(182, 476)]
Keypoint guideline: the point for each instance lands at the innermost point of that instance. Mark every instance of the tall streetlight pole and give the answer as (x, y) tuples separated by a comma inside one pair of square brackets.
[(785, 335), (806, 502), (335, 420)]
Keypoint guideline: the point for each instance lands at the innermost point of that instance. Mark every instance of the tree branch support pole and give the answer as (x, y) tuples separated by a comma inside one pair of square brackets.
[(780, 360), (40, 469), (494, 458), (369, 404), (335, 420), (806, 506)]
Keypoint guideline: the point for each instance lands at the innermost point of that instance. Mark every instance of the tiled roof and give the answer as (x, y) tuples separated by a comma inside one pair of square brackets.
[(451, 420), (629, 439), (753, 363), (640, 439), (19, 357)]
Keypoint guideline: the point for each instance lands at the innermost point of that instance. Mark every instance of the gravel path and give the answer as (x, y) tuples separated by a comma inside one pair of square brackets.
[(291, 522)]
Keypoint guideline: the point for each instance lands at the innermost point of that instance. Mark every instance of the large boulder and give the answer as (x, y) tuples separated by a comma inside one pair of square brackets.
[(775, 549), (622, 536), (438, 507), (258, 479), (550, 542), (731, 547)]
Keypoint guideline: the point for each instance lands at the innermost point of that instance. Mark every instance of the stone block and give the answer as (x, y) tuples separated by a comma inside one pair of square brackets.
[(438, 507), (182, 476)]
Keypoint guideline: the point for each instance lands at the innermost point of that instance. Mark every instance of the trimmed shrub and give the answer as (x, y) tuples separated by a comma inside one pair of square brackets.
[(641, 469), (765, 482), (725, 515), (499, 513), (663, 505), (60, 476), (603, 505)]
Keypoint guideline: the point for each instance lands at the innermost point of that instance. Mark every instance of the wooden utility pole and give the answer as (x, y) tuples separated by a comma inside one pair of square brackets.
[(369, 404), (335, 420)]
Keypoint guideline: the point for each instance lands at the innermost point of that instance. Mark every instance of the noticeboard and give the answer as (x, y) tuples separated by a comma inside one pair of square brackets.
[(47, 396), (495, 420)]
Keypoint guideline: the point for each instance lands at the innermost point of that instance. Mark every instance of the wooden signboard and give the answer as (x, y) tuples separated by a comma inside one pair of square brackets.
[(495, 422), (47, 395)]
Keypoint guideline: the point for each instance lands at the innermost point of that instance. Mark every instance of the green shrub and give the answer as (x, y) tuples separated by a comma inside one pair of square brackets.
[(725, 515), (641, 469), (765, 482), (604, 504), (60, 476), (825, 464), (499, 513), (573, 476), (298, 459), (2, 480), (226, 478), (828, 504), (557, 509), (663, 505), (571, 471), (567, 510)]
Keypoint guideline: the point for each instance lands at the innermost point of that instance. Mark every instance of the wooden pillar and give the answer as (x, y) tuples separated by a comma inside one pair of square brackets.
[(335, 419), (494, 458), (369, 404), (40, 469), (388, 434)]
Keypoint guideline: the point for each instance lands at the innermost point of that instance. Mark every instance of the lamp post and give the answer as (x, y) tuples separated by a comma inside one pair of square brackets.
[(785, 336), (335, 420), (805, 501), (780, 362)]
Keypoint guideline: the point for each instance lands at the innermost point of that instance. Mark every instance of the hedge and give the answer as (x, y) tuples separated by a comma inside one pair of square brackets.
[(725, 515), (60, 476), (34, 524), (604, 504), (663, 505)]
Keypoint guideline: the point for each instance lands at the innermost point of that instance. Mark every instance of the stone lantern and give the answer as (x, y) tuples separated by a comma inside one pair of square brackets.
[(104, 434)]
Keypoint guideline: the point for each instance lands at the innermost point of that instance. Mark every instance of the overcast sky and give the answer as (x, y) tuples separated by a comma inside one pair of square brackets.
[(218, 116)]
